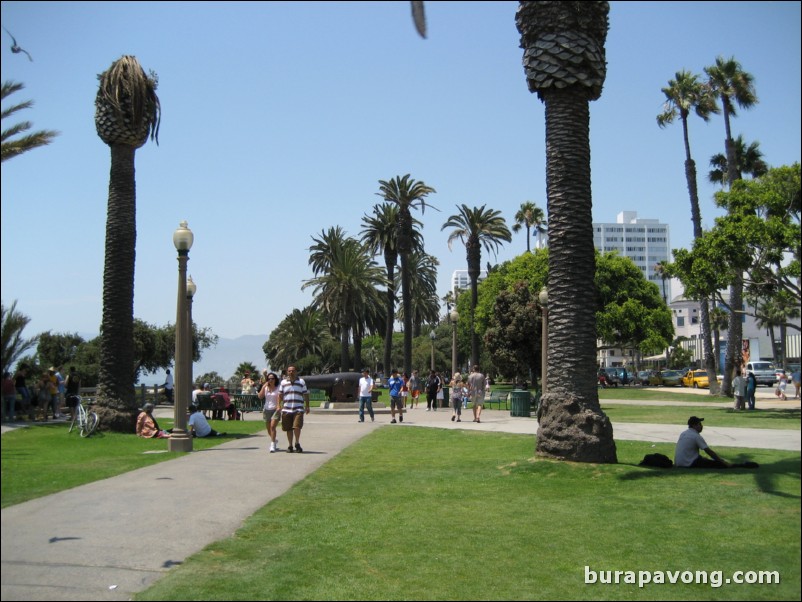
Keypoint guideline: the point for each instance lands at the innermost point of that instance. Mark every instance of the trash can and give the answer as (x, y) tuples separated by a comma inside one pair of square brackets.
[(446, 396), (519, 403)]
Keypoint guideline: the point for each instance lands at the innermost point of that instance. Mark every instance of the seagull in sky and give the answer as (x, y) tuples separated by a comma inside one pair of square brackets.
[(15, 48)]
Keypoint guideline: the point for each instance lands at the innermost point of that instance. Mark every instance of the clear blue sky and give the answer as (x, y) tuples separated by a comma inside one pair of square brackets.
[(280, 118)]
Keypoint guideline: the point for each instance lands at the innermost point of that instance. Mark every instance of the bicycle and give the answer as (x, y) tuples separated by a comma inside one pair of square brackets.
[(85, 420)]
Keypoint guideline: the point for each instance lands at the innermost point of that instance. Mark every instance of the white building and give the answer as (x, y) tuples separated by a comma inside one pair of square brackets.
[(461, 281), (644, 241)]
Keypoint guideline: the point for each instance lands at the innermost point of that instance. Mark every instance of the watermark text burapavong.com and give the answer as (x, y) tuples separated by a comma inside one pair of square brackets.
[(712, 578)]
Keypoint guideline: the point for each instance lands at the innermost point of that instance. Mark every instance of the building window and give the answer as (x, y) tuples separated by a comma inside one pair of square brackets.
[(680, 321)]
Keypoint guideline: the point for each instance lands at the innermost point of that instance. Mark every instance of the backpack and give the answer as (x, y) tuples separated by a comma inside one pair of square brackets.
[(657, 461)]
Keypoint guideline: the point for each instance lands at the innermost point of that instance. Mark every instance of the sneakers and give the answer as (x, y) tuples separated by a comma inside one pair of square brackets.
[(453, 418), (400, 418), (272, 447), (298, 448), (290, 450), (392, 421)]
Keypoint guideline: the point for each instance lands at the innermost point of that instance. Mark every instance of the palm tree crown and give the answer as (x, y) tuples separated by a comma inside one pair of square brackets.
[(11, 148), (407, 194), (530, 216), (477, 227)]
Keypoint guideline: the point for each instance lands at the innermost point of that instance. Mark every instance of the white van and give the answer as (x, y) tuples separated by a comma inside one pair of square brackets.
[(763, 371)]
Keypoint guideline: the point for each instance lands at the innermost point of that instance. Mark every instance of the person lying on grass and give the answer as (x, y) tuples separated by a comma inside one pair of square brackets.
[(691, 442)]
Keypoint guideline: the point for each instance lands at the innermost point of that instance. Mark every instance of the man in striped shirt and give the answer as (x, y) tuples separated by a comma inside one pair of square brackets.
[(293, 402)]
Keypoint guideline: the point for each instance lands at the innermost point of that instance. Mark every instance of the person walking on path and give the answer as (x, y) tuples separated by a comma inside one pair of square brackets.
[(433, 385), (365, 395), (414, 389), (293, 402), (476, 389), (782, 383), (269, 393), (796, 376), (395, 383), (458, 395)]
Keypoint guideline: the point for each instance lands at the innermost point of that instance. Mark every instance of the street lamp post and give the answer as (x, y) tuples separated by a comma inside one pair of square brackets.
[(432, 336), (180, 440), (543, 297), (191, 290), (454, 316)]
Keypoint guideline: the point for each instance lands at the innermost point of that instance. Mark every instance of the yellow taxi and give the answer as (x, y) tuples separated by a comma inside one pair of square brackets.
[(697, 379)]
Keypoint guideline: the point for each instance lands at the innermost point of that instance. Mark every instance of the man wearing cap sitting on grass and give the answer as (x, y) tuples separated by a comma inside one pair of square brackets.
[(691, 441)]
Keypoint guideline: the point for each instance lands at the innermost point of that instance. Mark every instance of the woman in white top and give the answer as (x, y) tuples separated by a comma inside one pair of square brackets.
[(269, 393)]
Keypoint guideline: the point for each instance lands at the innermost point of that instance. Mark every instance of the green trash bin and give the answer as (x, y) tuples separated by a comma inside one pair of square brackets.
[(519, 403), (445, 403)]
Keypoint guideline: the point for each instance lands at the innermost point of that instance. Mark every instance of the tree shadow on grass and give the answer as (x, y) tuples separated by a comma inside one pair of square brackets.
[(765, 476)]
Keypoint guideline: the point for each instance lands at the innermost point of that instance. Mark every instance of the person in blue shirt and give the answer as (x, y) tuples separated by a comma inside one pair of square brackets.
[(395, 383)]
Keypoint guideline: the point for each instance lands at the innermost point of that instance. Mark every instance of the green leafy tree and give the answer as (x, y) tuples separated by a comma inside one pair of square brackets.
[(423, 285), (513, 337), (58, 349), (734, 86), (565, 64), (476, 227), (686, 93), (407, 194), (10, 146), (301, 338), (127, 112)]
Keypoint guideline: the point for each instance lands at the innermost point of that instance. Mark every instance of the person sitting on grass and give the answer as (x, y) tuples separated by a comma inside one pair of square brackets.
[(198, 425), (691, 442), (146, 425)]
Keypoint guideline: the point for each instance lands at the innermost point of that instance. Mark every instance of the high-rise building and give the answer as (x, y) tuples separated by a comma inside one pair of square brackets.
[(644, 241), (461, 281)]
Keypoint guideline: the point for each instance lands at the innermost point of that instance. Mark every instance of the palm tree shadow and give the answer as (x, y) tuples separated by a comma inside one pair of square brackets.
[(765, 476)]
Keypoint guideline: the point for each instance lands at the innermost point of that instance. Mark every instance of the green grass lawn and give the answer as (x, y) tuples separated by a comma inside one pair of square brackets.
[(435, 514), (714, 416), (45, 458)]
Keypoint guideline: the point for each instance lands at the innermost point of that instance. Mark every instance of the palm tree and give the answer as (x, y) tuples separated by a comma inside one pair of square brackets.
[(530, 216), (301, 333), (733, 85), (565, 64), (12, 345), (476, 227), (11, 148), (127, 112), (686, 93), (423, 283), (346, 292), (380, 234), (407, 194), (749, 158)]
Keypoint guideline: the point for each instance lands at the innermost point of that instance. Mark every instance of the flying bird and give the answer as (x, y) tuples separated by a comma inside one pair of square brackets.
[(419, 17), (15, 48)]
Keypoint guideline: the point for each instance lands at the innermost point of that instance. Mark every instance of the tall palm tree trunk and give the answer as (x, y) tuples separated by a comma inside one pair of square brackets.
[(407, 304), (118, 408), (572, 425), (388, 328)]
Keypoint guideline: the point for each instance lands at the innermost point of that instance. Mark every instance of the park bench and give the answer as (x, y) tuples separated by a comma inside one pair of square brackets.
[(498, 398), (317, 395), (248, 402)]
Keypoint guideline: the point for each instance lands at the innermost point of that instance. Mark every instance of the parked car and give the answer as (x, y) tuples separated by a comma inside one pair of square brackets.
[(763, 371), (669, 378), (613, 376), (697, 379), (642, 378)]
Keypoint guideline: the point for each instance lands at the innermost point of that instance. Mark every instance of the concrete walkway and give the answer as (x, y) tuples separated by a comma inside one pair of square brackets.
[(88, 543)]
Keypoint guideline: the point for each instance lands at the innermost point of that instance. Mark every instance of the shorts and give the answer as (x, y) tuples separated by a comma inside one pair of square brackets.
[(396, 402), (292, 420), (269, 415), (478, 399), (415, 393), (71, 401)]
